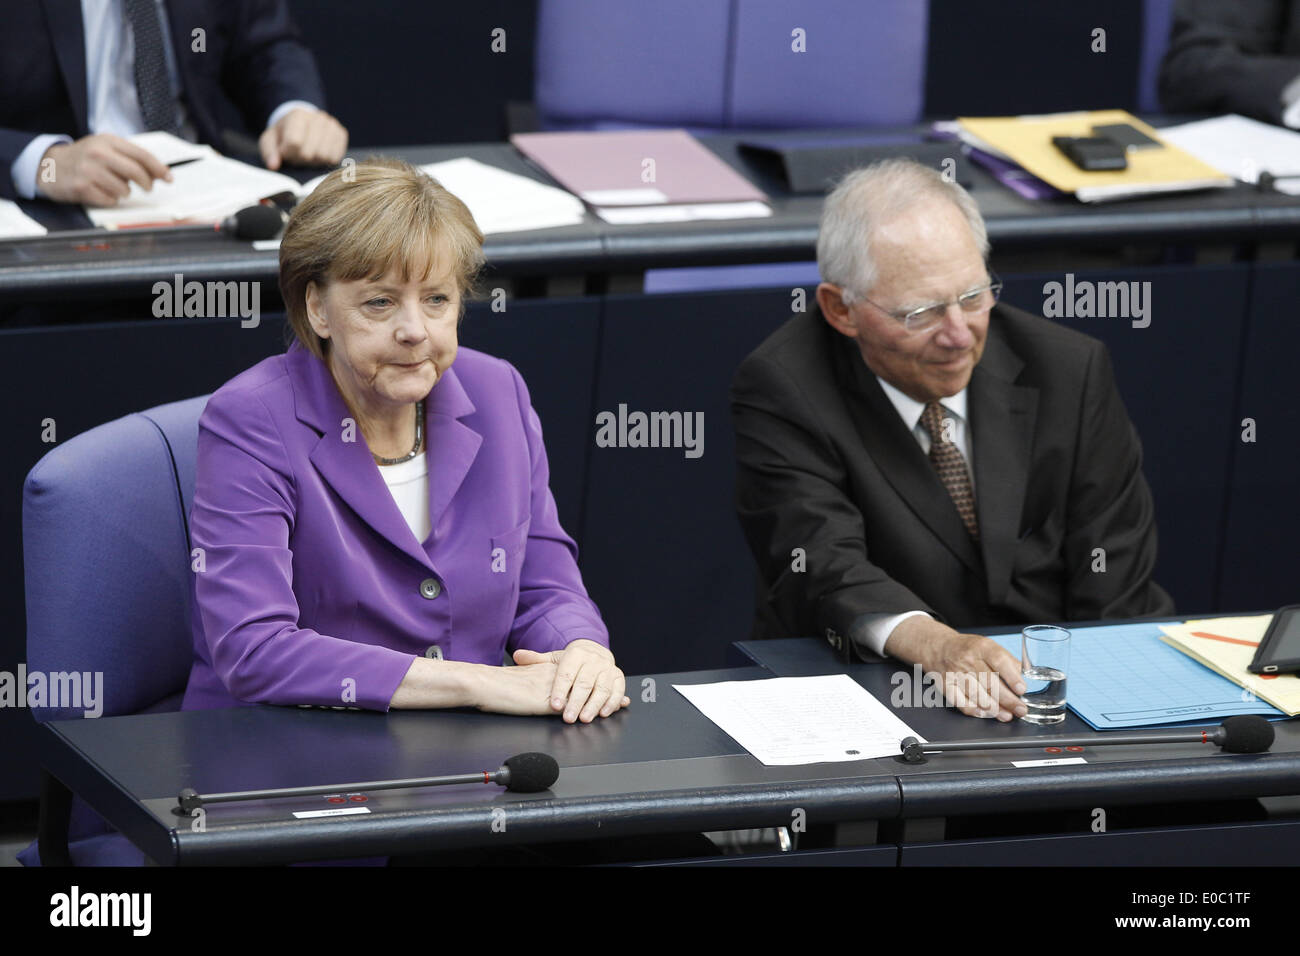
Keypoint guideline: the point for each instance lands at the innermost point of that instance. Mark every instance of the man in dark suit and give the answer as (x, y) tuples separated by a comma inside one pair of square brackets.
[(78, 77), (855, 426), (1238, 57)]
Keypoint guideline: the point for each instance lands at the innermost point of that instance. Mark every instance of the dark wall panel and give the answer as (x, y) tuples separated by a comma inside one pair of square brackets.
[(1001, 57), (402, 71), (1260, 567), (664, 555), (1178, 381)]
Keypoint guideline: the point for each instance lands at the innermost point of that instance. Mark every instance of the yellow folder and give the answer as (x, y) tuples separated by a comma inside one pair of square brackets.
[(1226, 645), (1027, 140)]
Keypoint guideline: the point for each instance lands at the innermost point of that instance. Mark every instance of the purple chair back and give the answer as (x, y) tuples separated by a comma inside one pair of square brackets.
[(712, 65), (1156, 21), (106, 562)]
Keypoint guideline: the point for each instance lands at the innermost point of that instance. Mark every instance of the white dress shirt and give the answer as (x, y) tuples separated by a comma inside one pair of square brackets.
[(409, 485), (872, 630)]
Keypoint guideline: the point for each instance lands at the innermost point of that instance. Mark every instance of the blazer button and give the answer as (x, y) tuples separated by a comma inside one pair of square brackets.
[(434, 653), (430, 588)]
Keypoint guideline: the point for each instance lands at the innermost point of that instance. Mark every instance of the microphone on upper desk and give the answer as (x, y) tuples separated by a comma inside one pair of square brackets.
[(522, 773), (1242, 734), (259, 221)]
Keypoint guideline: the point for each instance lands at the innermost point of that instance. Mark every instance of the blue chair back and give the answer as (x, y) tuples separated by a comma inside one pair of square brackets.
[(106, 560), (862, 63), (1157, 17), (712, 65)]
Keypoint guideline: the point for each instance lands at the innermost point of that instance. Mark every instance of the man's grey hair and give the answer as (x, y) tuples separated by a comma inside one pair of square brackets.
[(868, 197)]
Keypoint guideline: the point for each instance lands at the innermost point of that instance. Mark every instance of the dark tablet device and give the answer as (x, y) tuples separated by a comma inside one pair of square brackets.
[(1279, 651), (1092, 153), (1127, 135)]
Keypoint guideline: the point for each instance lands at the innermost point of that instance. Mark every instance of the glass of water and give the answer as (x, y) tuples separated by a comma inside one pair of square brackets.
[(1044, 664)]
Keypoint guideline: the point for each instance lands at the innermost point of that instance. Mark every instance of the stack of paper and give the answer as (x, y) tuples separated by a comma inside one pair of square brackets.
[(206, 187), (1226, 645), (16, 224), (1027, 140), (1242, 148), (499, 201), (640, 176), (505, 202)]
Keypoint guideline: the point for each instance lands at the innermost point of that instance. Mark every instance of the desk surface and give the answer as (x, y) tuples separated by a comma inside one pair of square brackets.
[(657, 767), (123, 264)]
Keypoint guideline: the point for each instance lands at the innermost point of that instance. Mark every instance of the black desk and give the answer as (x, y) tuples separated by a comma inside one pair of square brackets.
[(658, 767), (127, 266)]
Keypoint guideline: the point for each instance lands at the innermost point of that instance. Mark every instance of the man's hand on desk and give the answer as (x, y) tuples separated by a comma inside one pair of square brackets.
[(97, 170), (305, 137), (979, 676)]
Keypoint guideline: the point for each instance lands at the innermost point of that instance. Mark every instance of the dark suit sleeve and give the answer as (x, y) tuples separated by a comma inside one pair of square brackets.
[(1110, 507), (1223, 58), (792, 493), (268, 64), (12, 143)]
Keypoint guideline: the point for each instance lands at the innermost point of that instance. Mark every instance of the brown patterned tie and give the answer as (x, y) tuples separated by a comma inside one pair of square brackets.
[(951, 466)]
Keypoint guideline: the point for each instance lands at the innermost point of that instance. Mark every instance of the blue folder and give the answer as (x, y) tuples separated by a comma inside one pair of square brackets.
[(1123, 675)]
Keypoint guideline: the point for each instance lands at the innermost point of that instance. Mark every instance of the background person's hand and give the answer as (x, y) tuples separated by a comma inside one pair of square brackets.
[(305, 137), (98, 170), (978, 675), (587, 683)]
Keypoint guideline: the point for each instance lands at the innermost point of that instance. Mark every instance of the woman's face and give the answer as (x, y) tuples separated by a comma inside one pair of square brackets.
[(389, 341)]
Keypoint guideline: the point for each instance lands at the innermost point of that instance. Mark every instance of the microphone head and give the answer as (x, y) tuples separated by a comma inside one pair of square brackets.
[(534, 772), (255, 222), (1246, 734)]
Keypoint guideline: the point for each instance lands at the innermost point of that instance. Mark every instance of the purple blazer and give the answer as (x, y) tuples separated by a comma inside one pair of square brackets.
[(311, 588)]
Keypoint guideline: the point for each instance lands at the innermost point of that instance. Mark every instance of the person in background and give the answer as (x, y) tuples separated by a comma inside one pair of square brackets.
[(80, 76), (1234, 57)]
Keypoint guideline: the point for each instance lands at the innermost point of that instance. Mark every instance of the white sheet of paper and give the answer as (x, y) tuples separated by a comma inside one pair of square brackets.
[(785, 721), (683, 212), (503, 201), (499, 200), (1238, 146), (15, 224), (168, 149), (205, 190)]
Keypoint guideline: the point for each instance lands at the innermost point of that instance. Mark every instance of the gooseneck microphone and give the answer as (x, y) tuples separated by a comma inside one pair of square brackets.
[(522, 773), (1243, 734), (259, 221)]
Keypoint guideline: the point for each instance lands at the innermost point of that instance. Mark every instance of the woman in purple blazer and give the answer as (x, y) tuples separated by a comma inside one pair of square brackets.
[(374, 526)]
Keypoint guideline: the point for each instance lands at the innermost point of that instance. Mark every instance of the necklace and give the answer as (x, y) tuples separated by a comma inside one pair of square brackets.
[(419, 438)]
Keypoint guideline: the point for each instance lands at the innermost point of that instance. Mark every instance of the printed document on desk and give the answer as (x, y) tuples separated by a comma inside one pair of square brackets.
[(787, 721), (205, 190), (499, 200), (1242, 148), (1125, 675)]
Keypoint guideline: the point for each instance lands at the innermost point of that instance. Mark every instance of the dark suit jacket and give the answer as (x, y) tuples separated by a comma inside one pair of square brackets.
[(253, 62), (825, 463), (1231, 57)]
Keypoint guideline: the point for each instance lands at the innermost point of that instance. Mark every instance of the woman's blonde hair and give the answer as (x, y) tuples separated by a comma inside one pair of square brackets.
[(378, 216)]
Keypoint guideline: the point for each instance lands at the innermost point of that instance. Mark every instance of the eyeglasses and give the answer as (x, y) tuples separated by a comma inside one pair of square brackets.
[(929, 316)]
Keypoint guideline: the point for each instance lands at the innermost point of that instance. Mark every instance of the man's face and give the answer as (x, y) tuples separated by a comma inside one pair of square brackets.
[(924, 255)]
